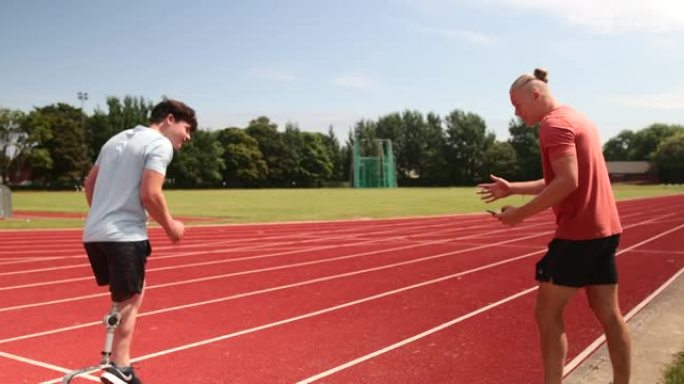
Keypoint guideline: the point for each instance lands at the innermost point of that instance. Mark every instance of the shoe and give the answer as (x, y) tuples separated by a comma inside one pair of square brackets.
[(119, 375)]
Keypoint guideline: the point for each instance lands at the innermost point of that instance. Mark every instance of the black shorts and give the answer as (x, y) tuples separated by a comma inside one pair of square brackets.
[(121, 265), (577, 263)]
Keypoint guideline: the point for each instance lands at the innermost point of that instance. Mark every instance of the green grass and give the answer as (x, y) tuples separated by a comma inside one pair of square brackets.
[(273, 205), (40, 223), (630, 191), (675, 372)]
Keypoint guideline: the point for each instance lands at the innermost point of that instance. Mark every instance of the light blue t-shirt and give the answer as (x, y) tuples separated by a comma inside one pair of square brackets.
[(117, 212)]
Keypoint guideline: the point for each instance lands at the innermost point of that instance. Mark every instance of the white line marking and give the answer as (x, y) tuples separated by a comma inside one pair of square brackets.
[(309, 315), (164, 310), (43, 365), (442, 326), (248, 247), (381, 295), (224, 261), (415, 337), (43, 333), (575, 362), (232, 274)]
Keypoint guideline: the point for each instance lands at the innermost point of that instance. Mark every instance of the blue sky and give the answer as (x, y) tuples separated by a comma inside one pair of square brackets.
[(322, 63)]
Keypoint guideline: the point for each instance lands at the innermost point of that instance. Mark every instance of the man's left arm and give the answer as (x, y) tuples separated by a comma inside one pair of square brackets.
[(563, 184), (89, 184)]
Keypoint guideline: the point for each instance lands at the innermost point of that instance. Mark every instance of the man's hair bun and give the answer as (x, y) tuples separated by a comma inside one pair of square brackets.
[(541, 74)]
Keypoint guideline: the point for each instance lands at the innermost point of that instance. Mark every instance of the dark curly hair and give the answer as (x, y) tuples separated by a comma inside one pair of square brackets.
[(179, 110)]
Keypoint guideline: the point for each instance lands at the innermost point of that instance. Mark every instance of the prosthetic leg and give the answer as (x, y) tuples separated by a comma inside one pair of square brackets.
[(111, 322)]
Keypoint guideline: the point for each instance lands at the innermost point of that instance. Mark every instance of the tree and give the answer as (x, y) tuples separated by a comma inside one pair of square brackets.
[(244, 163), (390, 127), (273, 149), (466, 143), (669, 159), (58, 152), (314, 160), (412, 146), (348, 155), (199, 163), (366, 132), (336, 154), (645, 142), (308, 156), (12, 140), (618, 148), (119, 116), (525, 142), (433, 164), (294, 174), (500, 160)]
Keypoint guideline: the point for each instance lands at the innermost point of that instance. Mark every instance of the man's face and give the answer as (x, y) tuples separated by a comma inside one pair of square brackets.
[(178, 131), (524, 101)]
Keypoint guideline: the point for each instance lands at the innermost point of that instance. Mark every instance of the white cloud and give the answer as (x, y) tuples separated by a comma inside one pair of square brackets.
[(458, 34), (271, 75), (354, 81), (660, 101), (610, 16)]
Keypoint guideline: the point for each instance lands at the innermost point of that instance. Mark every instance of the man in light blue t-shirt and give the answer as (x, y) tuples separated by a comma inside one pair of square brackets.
[(125, 182)]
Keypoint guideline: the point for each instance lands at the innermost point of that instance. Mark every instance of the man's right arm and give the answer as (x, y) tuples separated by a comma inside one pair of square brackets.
[(528, 187), (500, 188), (154, 202)]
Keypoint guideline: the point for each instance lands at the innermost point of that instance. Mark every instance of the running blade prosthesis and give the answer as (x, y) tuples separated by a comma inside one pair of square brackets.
[(111, 322)]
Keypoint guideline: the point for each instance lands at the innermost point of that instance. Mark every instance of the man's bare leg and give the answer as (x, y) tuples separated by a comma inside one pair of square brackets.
[(123, 336), (603, 300), (551, 301)]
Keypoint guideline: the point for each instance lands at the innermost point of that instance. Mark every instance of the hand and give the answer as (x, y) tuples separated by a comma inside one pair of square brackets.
[(510, 216), (490, 192), (176, 232)]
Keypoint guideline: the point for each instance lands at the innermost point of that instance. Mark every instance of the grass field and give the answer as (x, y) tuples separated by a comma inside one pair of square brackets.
[(274, 205), (675, 372)]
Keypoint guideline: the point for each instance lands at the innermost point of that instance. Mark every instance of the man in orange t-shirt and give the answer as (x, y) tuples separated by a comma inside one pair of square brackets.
[(582, 252)]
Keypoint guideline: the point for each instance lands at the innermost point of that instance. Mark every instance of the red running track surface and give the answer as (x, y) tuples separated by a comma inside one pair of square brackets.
[(423, 300)]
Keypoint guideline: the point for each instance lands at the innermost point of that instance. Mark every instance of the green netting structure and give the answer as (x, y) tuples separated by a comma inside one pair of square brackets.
[(5, 201), (373, 164)]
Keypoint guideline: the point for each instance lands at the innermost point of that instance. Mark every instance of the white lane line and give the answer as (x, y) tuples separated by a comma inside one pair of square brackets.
[(336, 235), (406, 224), (369, 298), (269, 269), (273, 232), (415, 337), (225, 261), (324, 310), (316, 313), (579, 359), (326, 278), (374, 297), (233, 274), (442, 326), (43, 365)]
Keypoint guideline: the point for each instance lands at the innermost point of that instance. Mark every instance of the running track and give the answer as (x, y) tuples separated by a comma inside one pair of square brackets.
[(422, 300)]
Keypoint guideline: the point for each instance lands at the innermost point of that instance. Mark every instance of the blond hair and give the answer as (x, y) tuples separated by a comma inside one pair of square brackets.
[(539, 74)]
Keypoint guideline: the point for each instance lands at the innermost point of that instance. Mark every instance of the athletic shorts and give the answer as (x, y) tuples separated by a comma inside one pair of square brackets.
[(121, 265), (577, 263)]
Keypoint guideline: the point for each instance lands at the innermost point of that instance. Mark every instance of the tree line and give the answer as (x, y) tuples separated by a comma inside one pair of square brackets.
[(54, 147), (661, 144)]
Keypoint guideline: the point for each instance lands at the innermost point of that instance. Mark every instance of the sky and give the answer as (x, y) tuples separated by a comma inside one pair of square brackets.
[(322, 63)]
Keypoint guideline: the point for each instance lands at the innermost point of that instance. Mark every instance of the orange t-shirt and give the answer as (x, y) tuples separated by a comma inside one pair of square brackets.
[(590, 211)]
